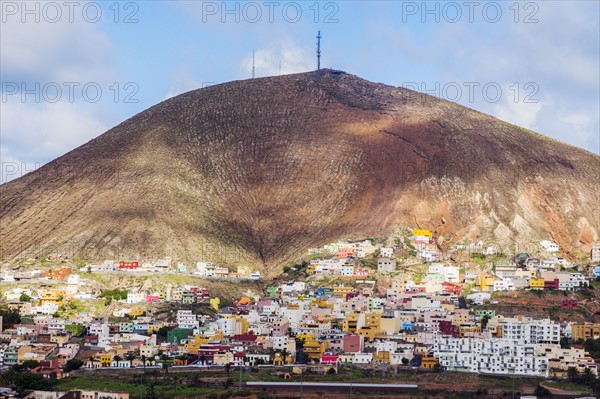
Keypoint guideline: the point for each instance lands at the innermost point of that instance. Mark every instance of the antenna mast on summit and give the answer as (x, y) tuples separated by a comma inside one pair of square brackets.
[(319, 51), (253, 69)]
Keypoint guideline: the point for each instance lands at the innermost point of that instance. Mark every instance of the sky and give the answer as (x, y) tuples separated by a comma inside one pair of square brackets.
[(72, 70)]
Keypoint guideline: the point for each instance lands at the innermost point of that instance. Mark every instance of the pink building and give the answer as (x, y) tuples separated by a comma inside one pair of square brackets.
[(152, 299), (329, 358), (353, 343)]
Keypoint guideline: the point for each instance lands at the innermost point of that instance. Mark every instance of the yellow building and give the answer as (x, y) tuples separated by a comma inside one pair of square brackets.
[(305, 337), (106, 360), (460, 316), (52, 296), (536, 283), (381, 357), (448, 307), (469, 331), (136, 311), (278, 359), (428, 362), (390, 324), (194, 345), (368, 333), (585, 331), (484, 282), (342, 290), (351, 321), (425, 233), (177, 296), (373, 320), (215, 302), (314, 349)]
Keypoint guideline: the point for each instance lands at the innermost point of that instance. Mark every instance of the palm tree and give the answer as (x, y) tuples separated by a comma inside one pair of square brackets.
[(130, 357), (165, 364), (143, 358), (228, 369), (92, 360), (573, 373)]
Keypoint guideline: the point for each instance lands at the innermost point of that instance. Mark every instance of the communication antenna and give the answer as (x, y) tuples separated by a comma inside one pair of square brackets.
[(319, 50), (253, 69), (279, 67)]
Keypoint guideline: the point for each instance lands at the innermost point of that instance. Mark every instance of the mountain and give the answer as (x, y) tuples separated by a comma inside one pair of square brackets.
[(257, 171)]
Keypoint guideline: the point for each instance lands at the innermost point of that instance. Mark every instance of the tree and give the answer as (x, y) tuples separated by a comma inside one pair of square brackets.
[(10, 317), (151, 392), (73, 364), (117, 359), (405, 360), (130, 357), (28, 365), (588, 376), (228, 369), (24, 298), (484, 321), (573, 374), (92, 360), (27, 381), (143, 357), (163, 331), (541, 392), (165, 364)]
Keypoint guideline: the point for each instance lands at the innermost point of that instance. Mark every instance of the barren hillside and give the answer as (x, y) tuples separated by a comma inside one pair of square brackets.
[(256, 171)]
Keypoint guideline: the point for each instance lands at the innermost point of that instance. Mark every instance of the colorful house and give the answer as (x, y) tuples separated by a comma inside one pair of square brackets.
[(329, 358), (536, 283)]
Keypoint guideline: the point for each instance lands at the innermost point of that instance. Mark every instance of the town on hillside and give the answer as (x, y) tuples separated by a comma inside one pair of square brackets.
[(403, 304)]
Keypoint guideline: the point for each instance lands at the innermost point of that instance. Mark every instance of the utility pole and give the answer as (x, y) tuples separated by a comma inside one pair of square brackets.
[(514, 372), (253, 69), (241, 365), (351, 364), (301, 380), (319, 50)]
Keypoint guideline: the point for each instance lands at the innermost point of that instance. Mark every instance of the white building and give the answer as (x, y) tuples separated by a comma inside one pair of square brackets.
[(495, 356), (549, 246), (255, 275), (347, 270), (527, 329), (595, 253), (360, 252), (386, 265), (229, 326), (504, 284), (73, 279), (386, 252), (186, 319), (135, 297), (440, 273)]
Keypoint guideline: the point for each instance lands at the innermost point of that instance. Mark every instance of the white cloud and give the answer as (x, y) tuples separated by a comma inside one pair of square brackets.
[(33, 132), (286, 53), (520, 113), (61, 51)]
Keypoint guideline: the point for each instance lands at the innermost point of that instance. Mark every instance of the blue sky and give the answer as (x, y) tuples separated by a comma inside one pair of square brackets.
[(535, 64)]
